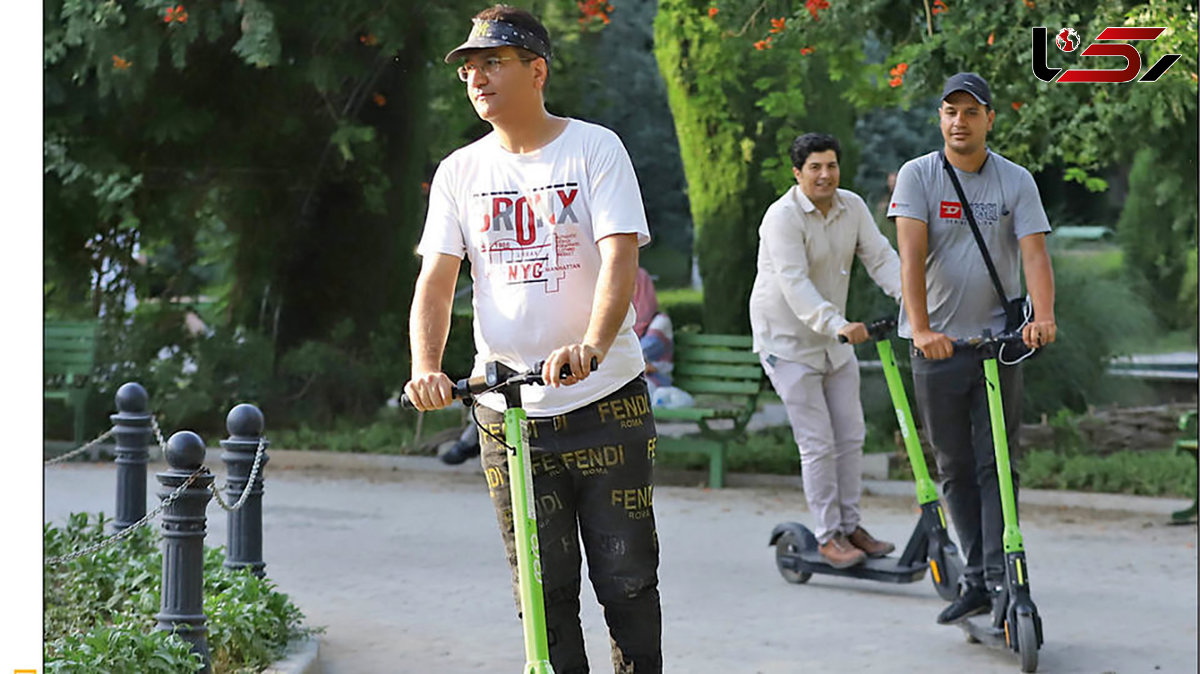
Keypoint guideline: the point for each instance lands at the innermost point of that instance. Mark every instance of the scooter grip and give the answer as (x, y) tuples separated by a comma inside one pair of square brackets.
[(566, 368)]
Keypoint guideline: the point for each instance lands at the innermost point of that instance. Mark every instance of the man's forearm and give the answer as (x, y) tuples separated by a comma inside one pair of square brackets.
[(1039, 278), (428, 328), (614, 289)]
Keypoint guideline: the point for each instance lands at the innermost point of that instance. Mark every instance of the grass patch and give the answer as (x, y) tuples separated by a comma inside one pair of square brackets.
[(99, 609), (392, 432), (1151, 473)]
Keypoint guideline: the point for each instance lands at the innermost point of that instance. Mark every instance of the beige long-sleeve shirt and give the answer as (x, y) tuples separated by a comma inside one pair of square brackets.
[(798, 303)]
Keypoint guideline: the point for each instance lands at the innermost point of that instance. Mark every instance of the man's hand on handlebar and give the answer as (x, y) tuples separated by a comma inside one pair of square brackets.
[(854, 333), (578, 356), (933, 345), (430, 391), (1037, 334)]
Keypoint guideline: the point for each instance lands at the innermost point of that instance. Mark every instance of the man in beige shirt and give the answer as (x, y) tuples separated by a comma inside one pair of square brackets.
[(807, 243)]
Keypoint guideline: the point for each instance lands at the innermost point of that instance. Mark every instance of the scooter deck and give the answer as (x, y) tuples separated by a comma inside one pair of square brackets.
[(885, 569)]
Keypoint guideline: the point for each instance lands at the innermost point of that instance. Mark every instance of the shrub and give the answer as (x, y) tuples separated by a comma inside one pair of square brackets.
[(1153, 473), (99, 608)]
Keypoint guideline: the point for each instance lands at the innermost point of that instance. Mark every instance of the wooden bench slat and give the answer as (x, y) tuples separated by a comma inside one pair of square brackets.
[(700, 339), (737, 372), (66, 332), (59, 365), (694, 414), (700, 386), (68, 354), (709, 355)]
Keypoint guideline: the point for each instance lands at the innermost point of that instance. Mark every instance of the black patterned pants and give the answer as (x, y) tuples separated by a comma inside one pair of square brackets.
[(592, 480)]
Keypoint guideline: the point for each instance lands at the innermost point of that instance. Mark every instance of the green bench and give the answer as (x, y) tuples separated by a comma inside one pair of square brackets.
[(1187, 444), (725, 377), (68, 356)]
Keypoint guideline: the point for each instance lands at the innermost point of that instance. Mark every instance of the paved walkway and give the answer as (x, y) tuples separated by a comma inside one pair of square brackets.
[(399, 559)]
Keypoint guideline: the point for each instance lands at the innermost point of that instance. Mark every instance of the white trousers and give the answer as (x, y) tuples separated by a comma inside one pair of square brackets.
[(826, 414)]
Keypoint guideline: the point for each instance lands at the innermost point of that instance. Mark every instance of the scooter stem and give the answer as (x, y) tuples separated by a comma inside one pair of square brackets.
[(529, 563), (1013, 541), (926, 490)]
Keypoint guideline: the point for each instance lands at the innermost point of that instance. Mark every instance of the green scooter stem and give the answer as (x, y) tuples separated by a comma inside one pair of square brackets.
[(926, 490), (529, 563), (1013, 541)]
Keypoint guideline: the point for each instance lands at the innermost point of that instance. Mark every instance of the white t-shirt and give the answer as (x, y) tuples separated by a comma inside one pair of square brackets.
[(529, 224)]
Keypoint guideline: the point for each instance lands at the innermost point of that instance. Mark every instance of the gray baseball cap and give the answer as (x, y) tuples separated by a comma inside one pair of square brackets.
[(972, 84), (488, 34)]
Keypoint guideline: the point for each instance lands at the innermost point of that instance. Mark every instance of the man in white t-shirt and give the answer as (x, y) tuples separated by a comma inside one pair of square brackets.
[(549, 213)]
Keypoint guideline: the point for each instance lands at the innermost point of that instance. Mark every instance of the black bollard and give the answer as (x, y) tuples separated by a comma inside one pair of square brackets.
[(131, 427), (183, 525), (245, 426)]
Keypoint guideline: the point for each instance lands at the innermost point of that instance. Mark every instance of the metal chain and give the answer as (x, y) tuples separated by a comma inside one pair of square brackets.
[(128, 531), (76, 452), (162, 444), (262, 443)]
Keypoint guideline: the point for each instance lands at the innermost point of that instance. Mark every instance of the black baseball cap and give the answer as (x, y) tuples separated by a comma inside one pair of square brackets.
[(489, 33), (972, 84)]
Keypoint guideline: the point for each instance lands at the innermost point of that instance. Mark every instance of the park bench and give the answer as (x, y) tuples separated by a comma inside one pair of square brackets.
[(725, 377), (68, 356), (1187, 445)]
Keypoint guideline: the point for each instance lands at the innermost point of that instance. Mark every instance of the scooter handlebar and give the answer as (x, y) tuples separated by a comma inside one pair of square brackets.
[(878, 329), (987, 338), (464, 388)]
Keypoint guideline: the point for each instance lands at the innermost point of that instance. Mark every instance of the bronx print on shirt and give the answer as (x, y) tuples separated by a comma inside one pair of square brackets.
[(525, 234)]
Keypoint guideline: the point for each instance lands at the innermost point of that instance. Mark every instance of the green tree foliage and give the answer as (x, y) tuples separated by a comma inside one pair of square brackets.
[(737, 108), (887, 53), (271, 156), (268, 151), (1157, 231)]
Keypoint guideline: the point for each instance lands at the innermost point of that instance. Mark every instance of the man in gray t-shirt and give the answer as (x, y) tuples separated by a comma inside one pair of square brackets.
[(960, 297), (947, 294)]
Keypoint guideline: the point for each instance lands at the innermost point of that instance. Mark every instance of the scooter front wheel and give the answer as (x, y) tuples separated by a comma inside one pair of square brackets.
[(1027, 643), (788, 546), (949, 574)]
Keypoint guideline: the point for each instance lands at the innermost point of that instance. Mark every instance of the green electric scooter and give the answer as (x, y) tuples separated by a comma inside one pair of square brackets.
[(500, 378), (1014, 623), (929, 546)]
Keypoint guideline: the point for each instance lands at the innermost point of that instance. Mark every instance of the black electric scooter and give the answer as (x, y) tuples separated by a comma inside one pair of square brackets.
[(1014, 623), (929, 547)]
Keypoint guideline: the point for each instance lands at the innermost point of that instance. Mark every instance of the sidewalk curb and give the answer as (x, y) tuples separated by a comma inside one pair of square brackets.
[(378, 465), (303, 656)]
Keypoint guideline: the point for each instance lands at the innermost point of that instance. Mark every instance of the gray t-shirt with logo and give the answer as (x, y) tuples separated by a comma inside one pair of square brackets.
[(960, 296)]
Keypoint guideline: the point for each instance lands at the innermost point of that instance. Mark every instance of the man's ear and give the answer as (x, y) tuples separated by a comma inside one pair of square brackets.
[(796, 173), (541, 71)]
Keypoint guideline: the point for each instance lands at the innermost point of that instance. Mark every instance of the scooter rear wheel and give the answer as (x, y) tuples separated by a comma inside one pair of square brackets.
[(789, 546), (1027, 643)]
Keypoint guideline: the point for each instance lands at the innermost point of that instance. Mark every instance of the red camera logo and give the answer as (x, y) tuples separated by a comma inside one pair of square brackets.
[(951, 210), (1067, 40)]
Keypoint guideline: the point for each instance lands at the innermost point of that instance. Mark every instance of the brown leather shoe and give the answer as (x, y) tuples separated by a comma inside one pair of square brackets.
[(840, 554), (867, 543)]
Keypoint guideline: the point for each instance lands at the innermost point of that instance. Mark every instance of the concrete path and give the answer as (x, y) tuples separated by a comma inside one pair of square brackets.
[(399, 559)]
